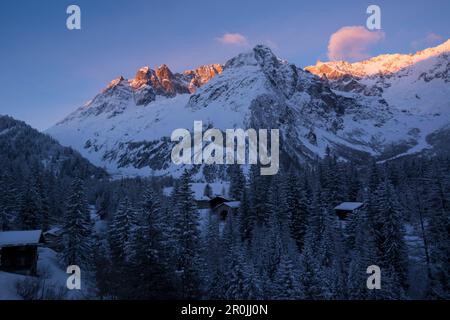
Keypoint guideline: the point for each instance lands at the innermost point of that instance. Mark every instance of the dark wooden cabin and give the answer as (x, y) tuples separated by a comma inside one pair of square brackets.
[(53, 238), (203, 202), (19, 251), (345, 209), (214, 202), (226, 208), (210, 203)]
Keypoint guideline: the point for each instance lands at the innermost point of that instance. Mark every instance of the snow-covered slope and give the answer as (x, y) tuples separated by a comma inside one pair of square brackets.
[(51, 281), (384, 107), (417, 83)]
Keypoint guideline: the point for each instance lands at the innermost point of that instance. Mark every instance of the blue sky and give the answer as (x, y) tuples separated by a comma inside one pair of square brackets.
[(47, 71)]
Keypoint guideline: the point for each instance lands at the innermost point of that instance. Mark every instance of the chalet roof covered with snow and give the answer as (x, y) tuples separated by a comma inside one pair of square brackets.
[(231, 204), (349, 206), (56, 231), (20, 238)]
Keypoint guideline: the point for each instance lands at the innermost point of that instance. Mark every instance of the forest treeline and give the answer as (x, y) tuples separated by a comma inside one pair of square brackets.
[(284, 242)]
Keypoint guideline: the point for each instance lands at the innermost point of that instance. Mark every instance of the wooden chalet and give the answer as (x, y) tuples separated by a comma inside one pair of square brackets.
[(53, 238), (346, 209), (225, 208), (19, 251), (219, 205)]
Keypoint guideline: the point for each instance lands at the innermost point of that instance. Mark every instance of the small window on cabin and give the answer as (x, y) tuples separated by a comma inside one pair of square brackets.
[(223, 214)]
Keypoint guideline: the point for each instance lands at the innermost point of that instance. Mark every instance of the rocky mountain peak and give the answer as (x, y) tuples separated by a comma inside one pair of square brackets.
[(114, 83), (356, 109), (383, 65), (202, 75), (264, 56), (163, 73), (260, 55)]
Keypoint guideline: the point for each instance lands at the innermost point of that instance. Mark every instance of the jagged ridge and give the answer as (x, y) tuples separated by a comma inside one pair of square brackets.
[(126, 127)]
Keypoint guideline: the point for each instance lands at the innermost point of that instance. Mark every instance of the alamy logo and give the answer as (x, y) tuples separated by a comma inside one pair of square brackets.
[(233, 152), (374, 280), (73, 21), (374, 20), (74, 280)]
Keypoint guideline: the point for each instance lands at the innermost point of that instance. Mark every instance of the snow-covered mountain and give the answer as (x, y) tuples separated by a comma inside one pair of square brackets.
[(386, 106)]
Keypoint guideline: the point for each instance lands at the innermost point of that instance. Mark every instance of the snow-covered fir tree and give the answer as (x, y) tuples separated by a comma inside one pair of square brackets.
[(237, 182), (149, 261), (438, 233), (187, 239), (76, 228), (120, 231), (389, 235), (30, 208)]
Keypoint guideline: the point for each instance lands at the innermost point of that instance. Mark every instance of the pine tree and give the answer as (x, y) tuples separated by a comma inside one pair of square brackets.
[(208, 191), (247, 220), (258, 186), (332, 256), (297, 204), (41, 187), (315, 263), (353, 183), (3, 221), (103, 267), (119, 239), (390, 234), (214, 260), (30, 208), (186, 231), (119, 232), (9, 201), (102, 204), (149, 261), (286, 284), (437, 230), (362, 255), (316, 221), (312, 276), (76, 228), (237, 182), (242, 282), (278, 231), (331, 181), (3, 205), (259, 255), (374, 177)]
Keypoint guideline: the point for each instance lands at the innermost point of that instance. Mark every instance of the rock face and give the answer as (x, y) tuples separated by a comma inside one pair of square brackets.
[(202, 75), (147, 85), (386, 64), (385, 107)]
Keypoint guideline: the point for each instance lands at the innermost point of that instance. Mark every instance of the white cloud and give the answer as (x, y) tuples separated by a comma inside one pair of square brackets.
[(233, 39), (352, 43)]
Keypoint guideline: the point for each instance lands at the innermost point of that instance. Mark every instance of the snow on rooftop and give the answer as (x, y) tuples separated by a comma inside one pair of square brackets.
[(233, 204), (18, 238), (55, 231), (349, 206)]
